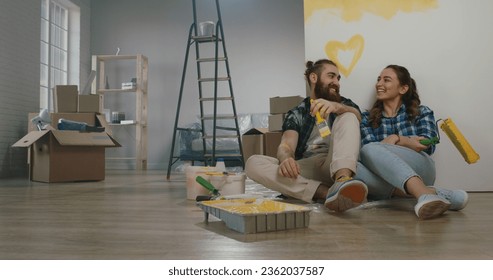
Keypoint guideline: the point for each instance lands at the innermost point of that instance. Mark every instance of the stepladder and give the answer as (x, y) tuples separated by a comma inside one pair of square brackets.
[(217, 110)]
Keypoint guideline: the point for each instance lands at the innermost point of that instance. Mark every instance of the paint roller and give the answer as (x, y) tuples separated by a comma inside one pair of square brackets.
[(459, 141)]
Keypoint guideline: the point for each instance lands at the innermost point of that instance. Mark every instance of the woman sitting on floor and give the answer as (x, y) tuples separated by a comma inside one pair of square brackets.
[(395, 158)]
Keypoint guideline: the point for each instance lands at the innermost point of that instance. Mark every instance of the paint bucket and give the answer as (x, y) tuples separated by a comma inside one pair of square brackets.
[(229, 184), (193, 188), (206, 29)]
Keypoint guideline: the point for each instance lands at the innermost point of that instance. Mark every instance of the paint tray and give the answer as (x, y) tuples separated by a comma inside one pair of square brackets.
[(253, 215)]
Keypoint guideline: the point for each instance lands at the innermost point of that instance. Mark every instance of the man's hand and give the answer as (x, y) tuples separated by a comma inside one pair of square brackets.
[(325, 107), (289, 168)]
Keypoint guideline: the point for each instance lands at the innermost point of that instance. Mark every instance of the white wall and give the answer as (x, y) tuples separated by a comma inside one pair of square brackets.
[(447, 49), (264, 40)]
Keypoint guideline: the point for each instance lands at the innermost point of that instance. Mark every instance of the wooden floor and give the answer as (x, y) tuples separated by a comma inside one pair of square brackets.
[(140, 215)]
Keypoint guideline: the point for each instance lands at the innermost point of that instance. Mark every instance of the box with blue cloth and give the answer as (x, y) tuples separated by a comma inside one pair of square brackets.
[(67, 155)]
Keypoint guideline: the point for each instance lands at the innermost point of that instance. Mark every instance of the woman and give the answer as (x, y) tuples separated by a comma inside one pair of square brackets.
[(393, 161)]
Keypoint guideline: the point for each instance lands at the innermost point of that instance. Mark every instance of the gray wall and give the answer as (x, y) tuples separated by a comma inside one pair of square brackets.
[(265, 41), (265, 44), (19, 74), (19, 78)]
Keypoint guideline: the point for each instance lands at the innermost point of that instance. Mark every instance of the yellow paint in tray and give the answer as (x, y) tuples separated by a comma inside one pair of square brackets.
[(253, 206)]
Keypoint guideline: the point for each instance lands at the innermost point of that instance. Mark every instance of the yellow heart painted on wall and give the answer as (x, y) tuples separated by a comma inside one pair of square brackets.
[(349, 53)]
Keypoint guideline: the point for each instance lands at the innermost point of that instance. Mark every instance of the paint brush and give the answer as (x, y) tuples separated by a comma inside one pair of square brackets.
[(322, 125)]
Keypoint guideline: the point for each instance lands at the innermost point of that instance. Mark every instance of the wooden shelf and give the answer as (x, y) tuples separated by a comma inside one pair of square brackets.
[(115, 90), (141, 100)]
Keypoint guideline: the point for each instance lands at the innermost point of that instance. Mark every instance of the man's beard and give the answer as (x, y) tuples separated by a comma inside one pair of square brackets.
[(324, 91)]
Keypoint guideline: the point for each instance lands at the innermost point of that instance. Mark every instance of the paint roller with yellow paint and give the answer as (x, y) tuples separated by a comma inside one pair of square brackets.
[(459, 141)]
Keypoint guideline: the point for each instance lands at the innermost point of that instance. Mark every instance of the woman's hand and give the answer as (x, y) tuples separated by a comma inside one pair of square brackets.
[(415, 144), (411, 142), (391, 139)]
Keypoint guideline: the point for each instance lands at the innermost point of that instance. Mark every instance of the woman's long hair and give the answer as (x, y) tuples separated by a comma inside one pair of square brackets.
[(410, 98)]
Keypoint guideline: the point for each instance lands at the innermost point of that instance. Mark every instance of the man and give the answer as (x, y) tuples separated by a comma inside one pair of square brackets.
[(309, 167)]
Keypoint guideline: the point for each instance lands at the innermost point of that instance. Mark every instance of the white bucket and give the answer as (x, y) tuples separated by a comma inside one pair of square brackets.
[(230, 184), (193, 188), (206, 29)]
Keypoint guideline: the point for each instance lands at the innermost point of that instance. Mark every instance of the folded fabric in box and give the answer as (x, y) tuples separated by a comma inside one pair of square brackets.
[(64, 124)]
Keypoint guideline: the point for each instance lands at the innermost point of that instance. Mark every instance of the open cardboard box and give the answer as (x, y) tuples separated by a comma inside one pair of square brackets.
[(67, 156)]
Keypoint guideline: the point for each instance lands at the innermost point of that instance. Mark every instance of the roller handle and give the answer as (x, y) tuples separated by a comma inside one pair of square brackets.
[(204, 183), (433, 141)]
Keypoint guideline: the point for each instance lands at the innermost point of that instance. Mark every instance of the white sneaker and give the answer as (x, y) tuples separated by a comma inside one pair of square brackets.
[(430, 206), (458, 198)]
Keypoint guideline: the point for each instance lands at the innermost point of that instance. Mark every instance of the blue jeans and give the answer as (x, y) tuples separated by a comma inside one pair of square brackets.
[(384, 167)]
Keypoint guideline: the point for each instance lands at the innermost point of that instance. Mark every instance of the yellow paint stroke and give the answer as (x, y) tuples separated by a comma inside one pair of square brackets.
[(355, 44), (352, 10)]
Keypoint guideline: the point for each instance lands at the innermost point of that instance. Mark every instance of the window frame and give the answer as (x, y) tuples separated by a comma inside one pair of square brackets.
[(59, 51)]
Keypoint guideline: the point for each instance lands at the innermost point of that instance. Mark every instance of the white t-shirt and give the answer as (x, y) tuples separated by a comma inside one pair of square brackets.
[(316, 144)]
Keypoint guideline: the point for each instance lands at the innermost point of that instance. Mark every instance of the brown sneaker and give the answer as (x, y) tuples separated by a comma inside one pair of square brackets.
[(346, 193)]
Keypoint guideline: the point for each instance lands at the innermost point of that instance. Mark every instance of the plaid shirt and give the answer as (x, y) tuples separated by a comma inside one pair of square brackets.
[(300, 120), (424, 125)]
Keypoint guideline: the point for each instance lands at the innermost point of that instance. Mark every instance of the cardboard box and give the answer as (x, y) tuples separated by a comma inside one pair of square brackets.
[(281, 105), (65, 98), (275, 122), (67, 156), (260, 141), (88, 103)]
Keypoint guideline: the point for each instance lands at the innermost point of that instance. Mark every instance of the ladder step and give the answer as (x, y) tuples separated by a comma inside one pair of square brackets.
[(223, 155), (213, 79), (211, 59), (206, 39), (222, 117), (226, 128), (189, 129), (218, 98), (220, 136)]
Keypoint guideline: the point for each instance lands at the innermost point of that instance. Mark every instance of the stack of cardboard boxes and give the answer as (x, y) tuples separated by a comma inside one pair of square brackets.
[(66, 155), (279, 106), (264, 141)]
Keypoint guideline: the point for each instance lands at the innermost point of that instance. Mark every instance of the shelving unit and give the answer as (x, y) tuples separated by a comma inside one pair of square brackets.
[(99, 64)]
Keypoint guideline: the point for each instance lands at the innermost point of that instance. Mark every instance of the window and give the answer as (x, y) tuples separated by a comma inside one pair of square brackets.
[(59, 21)]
